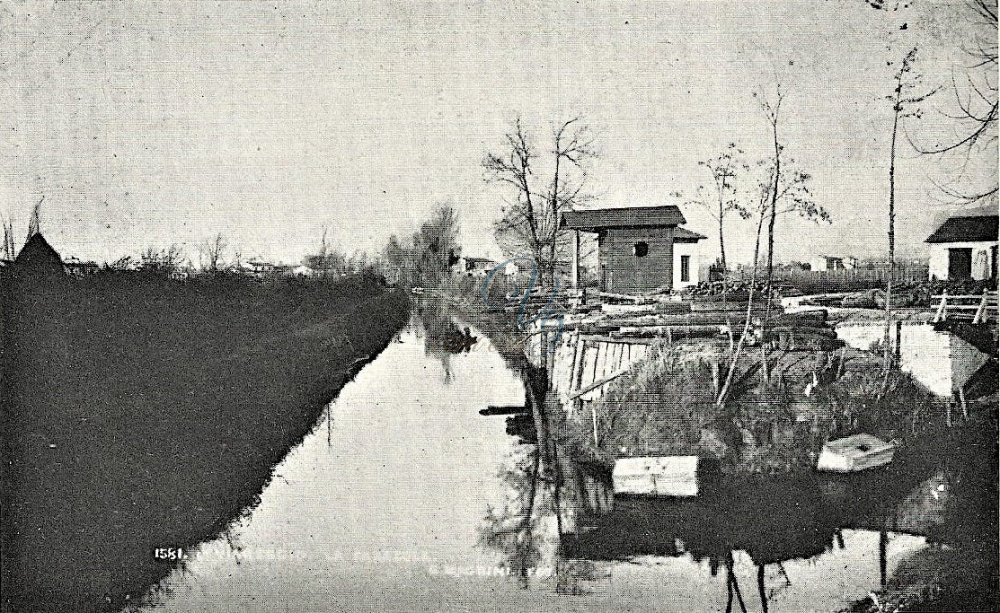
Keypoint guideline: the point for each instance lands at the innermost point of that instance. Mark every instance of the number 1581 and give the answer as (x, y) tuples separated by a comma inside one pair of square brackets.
[(169, 553)]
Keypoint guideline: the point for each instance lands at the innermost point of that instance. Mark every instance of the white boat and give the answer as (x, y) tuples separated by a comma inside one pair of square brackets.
[(656, 476), (855, 453)]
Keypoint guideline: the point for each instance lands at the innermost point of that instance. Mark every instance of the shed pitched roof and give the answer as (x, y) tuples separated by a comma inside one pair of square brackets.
[(965, 229), (627, 217), (683, 235)]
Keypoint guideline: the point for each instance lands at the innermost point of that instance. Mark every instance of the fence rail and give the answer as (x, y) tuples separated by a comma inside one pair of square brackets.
[(981, 308), (845, 276)]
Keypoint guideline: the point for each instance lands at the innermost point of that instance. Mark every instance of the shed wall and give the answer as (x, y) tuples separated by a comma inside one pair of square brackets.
[(939, 257), (624, 272)]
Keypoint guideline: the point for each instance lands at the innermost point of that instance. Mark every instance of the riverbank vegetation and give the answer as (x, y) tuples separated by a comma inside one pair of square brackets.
[(149, 413)]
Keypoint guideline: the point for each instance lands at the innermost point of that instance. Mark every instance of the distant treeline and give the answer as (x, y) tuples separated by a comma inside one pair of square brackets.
[(427, 256)]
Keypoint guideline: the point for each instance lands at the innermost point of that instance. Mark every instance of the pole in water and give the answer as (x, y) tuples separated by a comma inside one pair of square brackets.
[(760, 588), (883, 542), (328, 426)]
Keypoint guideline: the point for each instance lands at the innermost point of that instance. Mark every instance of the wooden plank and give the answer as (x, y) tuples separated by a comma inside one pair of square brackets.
[(602, 360), (628, 309), (556, 363), (634, 298), (597, 338), (574, 375), (589, 364), (598, 383), (641, 350), (612, 364), (569, 363), (619, 355), (599, 365)]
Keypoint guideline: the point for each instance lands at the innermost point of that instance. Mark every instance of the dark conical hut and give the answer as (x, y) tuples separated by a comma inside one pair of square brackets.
[(39, 258)]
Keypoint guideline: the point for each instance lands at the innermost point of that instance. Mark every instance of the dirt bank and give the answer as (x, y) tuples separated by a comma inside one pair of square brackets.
[(140, 413)]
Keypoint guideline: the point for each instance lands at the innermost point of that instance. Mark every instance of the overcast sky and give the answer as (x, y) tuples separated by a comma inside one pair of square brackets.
[(145, 125)]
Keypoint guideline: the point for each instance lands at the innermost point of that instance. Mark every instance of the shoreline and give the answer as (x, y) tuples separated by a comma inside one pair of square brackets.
[(173, 429)]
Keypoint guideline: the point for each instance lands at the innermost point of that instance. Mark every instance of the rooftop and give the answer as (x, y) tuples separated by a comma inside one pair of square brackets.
[(965, 229), (625, 217), (683, 235)]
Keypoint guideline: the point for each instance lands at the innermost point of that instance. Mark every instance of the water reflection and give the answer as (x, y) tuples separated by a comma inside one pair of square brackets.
[(405, 498)]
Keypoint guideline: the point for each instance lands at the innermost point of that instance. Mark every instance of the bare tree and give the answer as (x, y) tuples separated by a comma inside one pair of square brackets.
[(161, 261), (905, 101), (761, 209), (789, 191), (976, 98), (721, 199), (782, 189), (9, 251), (211, 253), (530, 220)]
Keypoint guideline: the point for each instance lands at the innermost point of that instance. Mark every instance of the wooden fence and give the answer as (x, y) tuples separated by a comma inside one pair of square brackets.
[(850, 278), (980, 308)]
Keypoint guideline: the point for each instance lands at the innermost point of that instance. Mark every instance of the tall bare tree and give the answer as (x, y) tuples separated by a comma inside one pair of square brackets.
[(721, 199), (782, 189), (436, 242), (211, 253), (789, 191), (759, 208), (530, 220), (905, 100)]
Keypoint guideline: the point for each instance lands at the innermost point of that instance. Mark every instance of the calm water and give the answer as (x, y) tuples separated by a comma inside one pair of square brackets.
[(382, 508)]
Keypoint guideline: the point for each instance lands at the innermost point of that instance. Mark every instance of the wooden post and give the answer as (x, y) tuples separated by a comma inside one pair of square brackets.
[(978, 318), (883, 545), (942, 308), (593, 417), (576, 259)]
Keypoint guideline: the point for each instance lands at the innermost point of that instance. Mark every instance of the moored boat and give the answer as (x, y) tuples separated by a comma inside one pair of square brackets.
[(855, 453)]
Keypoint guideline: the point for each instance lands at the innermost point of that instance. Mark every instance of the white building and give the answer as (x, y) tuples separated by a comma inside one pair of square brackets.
[(685, 258), (823, 263), (479, 267), (964, 248)]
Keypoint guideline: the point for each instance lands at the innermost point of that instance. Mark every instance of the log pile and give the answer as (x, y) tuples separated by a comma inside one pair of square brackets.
[(702, 317)]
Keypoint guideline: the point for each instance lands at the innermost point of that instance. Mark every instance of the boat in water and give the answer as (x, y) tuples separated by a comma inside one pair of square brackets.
[(854, 454), (674, 476)]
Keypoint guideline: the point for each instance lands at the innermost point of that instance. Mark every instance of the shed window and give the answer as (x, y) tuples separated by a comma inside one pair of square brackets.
[(641, 249), (685, 268)]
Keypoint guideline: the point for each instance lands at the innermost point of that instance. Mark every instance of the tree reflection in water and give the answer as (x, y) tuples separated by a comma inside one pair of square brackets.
[(443, 338)]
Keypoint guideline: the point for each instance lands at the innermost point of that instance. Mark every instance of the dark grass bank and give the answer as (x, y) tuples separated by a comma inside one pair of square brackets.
[(140, 413)]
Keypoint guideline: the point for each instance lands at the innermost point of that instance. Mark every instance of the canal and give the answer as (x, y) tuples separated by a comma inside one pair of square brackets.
[(383, 507)]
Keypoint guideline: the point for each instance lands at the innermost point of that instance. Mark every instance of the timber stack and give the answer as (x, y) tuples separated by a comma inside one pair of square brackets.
[(595, 344)]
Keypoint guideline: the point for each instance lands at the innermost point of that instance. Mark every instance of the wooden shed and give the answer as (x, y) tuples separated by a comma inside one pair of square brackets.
[(964, 247), (641, 249)]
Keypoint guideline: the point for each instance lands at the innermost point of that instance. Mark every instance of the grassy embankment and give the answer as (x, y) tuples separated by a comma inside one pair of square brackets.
[(141, 413), (760, 437), (668, 403)]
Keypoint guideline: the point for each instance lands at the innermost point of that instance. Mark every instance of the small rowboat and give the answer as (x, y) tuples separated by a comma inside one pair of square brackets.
[(855, 453), (675, 476)]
